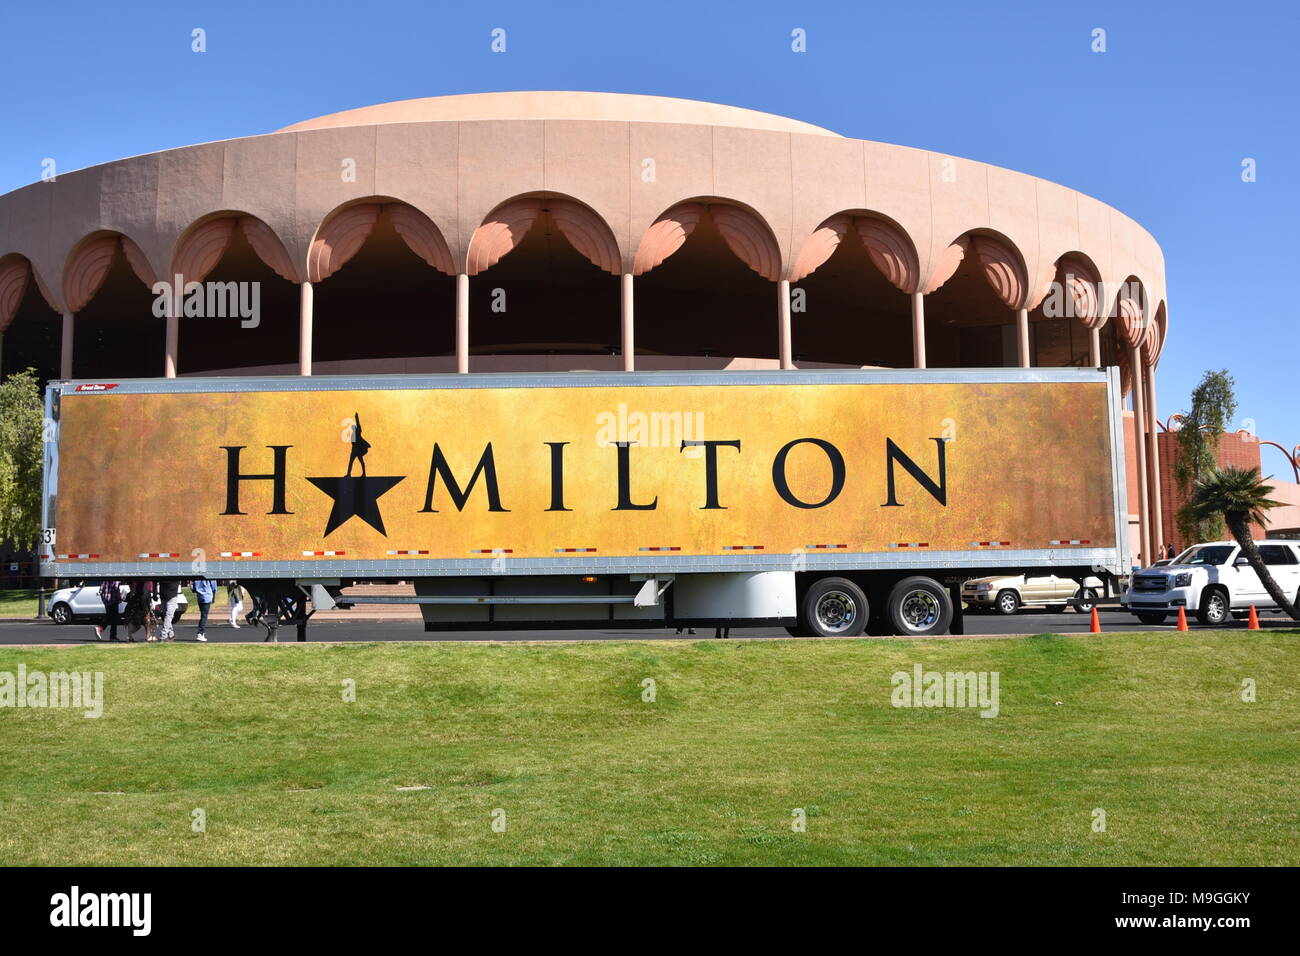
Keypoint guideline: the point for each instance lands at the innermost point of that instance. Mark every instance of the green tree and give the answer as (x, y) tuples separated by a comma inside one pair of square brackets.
[(22, 427), (1213, 405), (1242, 498)]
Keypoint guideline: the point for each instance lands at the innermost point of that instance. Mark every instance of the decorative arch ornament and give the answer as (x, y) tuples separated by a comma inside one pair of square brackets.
[(89, 263), (339, 238), (502, 230), (1082, 285), (888, 247), (587, 233), (1004, 270), (666, 235), (747, 236), (15, 277)]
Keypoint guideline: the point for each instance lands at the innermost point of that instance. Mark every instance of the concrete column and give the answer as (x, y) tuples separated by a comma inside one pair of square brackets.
[(629, 338), (783, 323), (1139, 434), (173, 339), (65, 348), (1094, 347), (1022, 337), (1153, 463), (462, 323), (918, 330), (305, 328)]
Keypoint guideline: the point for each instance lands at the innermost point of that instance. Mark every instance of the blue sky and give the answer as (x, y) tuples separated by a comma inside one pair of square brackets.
[(1158, 125)]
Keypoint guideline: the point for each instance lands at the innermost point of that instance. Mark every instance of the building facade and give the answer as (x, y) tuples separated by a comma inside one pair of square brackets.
[(570, 231)]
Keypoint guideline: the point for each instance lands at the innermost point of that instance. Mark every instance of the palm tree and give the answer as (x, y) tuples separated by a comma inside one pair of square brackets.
[(1241, 496)]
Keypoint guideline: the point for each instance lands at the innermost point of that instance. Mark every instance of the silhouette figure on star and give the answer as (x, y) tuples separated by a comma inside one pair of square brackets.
[(359, 447)]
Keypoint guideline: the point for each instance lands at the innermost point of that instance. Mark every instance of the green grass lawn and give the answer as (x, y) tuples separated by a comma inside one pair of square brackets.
[(1150, 728), (18, 602)]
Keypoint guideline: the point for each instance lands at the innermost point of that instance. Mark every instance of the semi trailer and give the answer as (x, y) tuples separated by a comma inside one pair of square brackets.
[(829, 502)]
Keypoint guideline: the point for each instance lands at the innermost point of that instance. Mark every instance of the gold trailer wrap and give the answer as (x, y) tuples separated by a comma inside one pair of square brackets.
[(260, 476)]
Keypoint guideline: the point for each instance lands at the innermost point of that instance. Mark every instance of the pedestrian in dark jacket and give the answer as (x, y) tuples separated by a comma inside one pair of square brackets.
[(110, 592), (139, 610)]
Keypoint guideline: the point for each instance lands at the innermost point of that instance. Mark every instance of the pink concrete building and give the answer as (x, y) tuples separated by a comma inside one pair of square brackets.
[(562, 230)]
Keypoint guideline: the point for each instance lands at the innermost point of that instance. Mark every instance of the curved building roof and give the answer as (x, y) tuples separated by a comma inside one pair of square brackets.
[(559, 105)]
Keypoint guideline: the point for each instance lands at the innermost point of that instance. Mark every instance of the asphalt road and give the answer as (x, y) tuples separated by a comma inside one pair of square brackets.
[(977, 625)]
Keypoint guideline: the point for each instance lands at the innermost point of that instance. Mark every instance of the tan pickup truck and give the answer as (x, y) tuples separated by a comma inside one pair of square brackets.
[(1008, 594)]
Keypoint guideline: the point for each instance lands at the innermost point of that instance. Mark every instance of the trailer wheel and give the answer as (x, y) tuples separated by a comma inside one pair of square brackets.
[(834, 607), (1086, 601), (918, 607)]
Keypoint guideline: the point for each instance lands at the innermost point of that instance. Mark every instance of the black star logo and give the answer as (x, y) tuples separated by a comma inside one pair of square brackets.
[(356, 495)]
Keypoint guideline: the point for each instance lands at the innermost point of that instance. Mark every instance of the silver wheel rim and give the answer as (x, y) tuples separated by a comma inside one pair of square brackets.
[(1216, 607), (836, 612), (1007, 602), (919, 610)]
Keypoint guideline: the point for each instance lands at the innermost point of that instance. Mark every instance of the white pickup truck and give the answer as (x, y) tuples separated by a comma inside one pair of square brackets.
[(1212, 581)]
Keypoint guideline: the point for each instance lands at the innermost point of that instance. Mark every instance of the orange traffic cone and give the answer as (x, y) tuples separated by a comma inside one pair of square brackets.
[(1253, 623), (1095, 627), (1182, 620)]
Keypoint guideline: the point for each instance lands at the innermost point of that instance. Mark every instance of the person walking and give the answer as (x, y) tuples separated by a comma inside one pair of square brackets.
[(204, 592), (169, 593), (110, 592), (236, 595), (139, 610)]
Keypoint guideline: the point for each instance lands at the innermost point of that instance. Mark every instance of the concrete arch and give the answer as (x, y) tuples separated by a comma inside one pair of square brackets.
[(506, 225), (88, 264), (1001, 262), (17, 274), (1130, 311), (202, 244), (890, 248), (1159, 329), (746, 233), (1082, 287), (345, 229)]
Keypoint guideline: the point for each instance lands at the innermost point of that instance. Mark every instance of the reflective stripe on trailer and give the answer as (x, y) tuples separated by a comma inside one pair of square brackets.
[(407, 552), (1071, 541), (908, 544), (575, 550), (323, 554), (658, 548), (72, 557), (493, 551), (241, 554), (160, 554), (990, 544), (742, 547), (823, 547)]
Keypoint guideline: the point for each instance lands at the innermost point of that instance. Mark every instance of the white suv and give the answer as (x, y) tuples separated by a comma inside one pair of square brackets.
[(1212, 581)]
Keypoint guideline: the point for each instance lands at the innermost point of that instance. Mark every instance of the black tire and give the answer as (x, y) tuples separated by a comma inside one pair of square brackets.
[(1152, 617), (1008, 601), (834, 607), (1085, 604), (1215, 609), (919, 607), (796, 631), (61, 613)]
